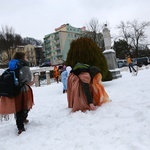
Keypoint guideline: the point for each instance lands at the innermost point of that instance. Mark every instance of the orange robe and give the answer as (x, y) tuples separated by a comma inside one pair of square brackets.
[(56, 72), (100, 96)]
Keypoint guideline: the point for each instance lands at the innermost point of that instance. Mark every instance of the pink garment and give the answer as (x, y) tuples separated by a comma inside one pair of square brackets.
[(24, 101), (75, 94), (76, 97)]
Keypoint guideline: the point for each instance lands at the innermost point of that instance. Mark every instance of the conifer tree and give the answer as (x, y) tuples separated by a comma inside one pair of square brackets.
[(85, 50)]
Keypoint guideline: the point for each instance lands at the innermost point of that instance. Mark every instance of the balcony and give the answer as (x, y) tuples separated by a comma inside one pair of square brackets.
[(58, 49), (57, 43)]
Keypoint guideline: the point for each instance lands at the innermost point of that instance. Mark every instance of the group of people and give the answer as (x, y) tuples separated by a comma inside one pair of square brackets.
[(63, 73), (85, 91)]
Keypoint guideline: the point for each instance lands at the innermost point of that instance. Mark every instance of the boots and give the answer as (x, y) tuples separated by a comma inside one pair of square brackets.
[(21, 130), (26, 121), (64, 91)]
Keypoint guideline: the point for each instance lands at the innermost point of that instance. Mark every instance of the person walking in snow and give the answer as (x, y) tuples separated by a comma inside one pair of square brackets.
[(64, 75), (56, 74), (22, 103), (130, 64)]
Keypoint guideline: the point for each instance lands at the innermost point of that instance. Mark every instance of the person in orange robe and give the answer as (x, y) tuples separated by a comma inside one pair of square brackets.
[(85, 90), (56, 74)]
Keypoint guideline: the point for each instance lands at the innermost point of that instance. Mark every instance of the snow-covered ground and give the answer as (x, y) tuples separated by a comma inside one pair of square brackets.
[(123, 124)]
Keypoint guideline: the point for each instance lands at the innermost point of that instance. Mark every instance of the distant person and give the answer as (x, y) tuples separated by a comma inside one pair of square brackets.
[(130, 64), (85, 90), (64, 75), (22, 103), (68, 69), (56, 74)]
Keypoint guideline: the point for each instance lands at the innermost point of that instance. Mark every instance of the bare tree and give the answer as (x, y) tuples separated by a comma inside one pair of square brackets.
[(124, 31), (93, 27), (93, 32), (138, 33), (133, 32), (9, 40)]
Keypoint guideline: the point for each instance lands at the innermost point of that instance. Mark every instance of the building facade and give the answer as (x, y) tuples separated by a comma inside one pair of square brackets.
[(34, 54), (57, 44)]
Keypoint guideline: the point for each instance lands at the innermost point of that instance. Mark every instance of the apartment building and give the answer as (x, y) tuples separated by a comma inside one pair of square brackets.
[(57, 44)]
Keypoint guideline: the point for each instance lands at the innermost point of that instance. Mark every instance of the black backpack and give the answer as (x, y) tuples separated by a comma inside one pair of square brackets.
[(9, 81)]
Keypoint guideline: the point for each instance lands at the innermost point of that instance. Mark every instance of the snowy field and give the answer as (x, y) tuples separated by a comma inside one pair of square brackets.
[(123, 124)]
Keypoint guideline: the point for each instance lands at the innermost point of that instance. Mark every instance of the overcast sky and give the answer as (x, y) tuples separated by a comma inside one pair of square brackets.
[(37, 18)]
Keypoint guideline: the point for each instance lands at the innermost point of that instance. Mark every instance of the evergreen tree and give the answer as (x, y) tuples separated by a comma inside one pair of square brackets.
[(85, 50), (121, 47)]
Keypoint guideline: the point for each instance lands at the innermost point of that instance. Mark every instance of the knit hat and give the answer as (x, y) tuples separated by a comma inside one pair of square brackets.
[(94, 70)]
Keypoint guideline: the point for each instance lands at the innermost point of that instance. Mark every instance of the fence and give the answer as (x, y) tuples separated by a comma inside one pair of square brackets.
[(44, 73)]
